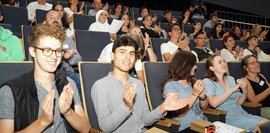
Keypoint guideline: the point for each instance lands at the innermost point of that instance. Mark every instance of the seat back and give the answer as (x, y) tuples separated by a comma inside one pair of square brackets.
[(90, 72), (26, 30), (91, 43), (265, 69), (208, 31), (11, 70), (6, 26), (216, 44), (40, 16), (82, 22), (265, 46), (242, 44), (156, 42), (16, 16), (155, 73), (235, 70), (200, 70), (188, 29), (264, 127)]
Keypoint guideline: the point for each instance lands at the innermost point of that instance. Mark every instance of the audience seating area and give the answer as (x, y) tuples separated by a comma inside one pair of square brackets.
[(90, 44)]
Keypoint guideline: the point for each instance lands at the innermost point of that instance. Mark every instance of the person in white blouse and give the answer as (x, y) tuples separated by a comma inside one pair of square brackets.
[(39, 4), (102, 24), (231, 53)]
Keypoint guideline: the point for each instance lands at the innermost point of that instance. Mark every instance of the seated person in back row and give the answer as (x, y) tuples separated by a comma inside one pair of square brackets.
[(200, 51), (33, 6), (254, 49), (169, 49), (120, 101), (10, 46), (144, 45), (44, 99), (71, 56)]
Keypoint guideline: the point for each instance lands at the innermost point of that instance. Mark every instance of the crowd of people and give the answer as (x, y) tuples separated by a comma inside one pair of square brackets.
[(48, 98)]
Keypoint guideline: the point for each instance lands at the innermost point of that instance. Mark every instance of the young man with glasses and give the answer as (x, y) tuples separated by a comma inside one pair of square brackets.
[(254, 49), (71, 56), (42, 100), (169, 49), (200, 51)]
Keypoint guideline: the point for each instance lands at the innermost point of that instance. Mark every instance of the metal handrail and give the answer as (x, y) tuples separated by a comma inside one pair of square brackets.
[(239, 22)]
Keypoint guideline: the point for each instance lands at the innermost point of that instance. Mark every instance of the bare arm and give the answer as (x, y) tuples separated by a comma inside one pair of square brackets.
[(215, 101), (77, 119), (7, 125)]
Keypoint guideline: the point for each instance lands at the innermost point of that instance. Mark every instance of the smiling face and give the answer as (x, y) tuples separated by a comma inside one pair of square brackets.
[(176, 32), (200, 40), (219, 28), (124, 58), (44, 63), (125, 19), (219, 66), (230, 42), (103, 17), (253, 65)]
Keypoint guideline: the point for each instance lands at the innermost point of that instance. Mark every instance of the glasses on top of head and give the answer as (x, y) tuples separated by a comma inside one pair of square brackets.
[(253, 62), (48, 52)]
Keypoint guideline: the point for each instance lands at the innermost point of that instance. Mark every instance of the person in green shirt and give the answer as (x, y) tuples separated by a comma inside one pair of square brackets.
[(10, 46)]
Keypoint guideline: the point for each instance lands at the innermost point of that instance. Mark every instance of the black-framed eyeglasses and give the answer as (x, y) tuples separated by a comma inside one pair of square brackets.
[(176, 29), (253, 62), (48, 52)]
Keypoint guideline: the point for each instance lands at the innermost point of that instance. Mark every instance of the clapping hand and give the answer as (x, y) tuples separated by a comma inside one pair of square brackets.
[(129, 94), (47, 107), (65, 99), (172, 103)]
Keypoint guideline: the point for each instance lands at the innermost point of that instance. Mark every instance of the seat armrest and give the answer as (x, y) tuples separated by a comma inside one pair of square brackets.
[(93, 130), (214, 111), (168, 125), (252, 104)]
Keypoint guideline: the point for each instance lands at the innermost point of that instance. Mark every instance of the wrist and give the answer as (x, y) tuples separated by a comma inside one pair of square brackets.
[(195, 94), (68, 112), (203, 98), (148, 47)]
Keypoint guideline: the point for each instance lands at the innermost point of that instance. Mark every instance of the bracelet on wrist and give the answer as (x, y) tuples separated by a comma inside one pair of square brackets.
[(194, 95), (202, 99), (148, 47)]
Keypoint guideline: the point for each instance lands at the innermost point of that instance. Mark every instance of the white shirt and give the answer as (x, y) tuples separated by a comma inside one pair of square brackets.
[(97, 26), (31, 8), (168, 47), (228, 56), (105, 56), (261, 55)]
